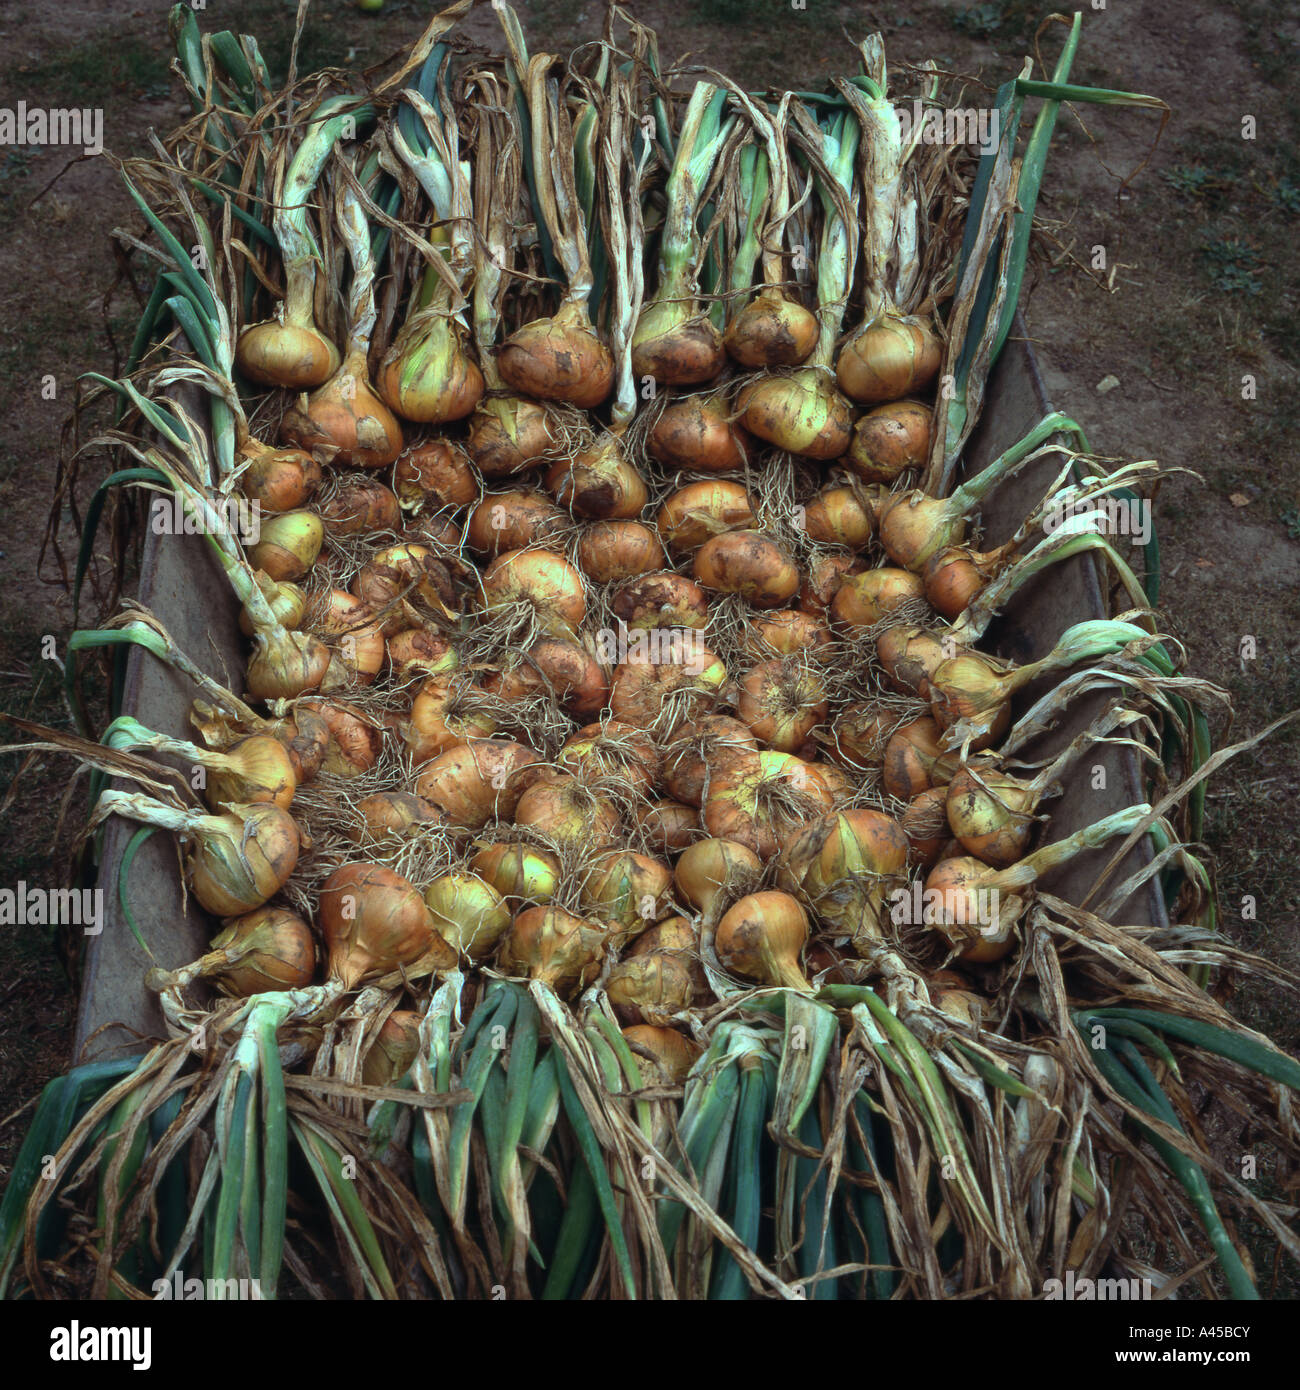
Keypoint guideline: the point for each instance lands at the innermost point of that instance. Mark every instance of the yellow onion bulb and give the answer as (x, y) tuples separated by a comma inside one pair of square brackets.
[(714, 866), (615, 751), (571, 815), (288, 545), (477, 780), (761, 799), (513, 520), (782, 702), (266, 949), (748, 563), (540, 578), (889, 358), (676, 344), (863, 600), (396, 1046), (435, 472), (243, 857), (467, 912), (278, 480), (373, 922), (609, 551), (890, 439), (699, 434), (801, 412), (358, 504), (347, 416), (771, 331), (287, 601), (511, 434), (396, 813), (699, 747), (910, 655), (555, 947), (695, 513), (978, 922), (285, 664), (442, 716), (521, 873), (558, 359), (256, 769), (990, 813), (292, 355), (661, 600), (669, 827), (673, 1053), (426, 375), (652, 988), (599, 483), (838, 516), (627, 890), (762, 937)]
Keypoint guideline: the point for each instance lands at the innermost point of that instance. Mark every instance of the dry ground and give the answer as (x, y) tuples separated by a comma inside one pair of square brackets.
[(1200, 292)]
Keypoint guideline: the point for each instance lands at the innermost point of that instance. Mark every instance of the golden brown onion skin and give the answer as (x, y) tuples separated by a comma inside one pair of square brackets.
[(890, 439), (279, 354), (698, 434), (771, 331), (558, 359), (888, 359)]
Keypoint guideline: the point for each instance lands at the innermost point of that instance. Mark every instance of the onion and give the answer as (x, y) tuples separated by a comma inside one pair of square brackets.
[(980, 927), (558, 359), (863, 600), (513, 520), (612, 550), (674, 936), (509, 435), (669, 826), (288, 545), (562, 670), (782, 702), (826, 574), (677, 345), (771, 331), (255, 769), (662, 600), (360, 505), (442, 715), (914, 526), (891, 357), (346, 415), (306, 739), (699, 746), (375, 922), (914, 759), (357, 637), (784, 633), (991, 814), (761, 938), (285, 664), (521, 873), (860, 733), (599, 483), (612, 750), (437, 472), (477, 780), (844, 863), (698, 511), (239, 859), (713, 868), (278, 480), (266, 949), (837, 516), (750, 564), (890, 439), (287, 601), (393, 813), (395, 1048), (570, 814), (297, 356), (672, 1052), (626, 890), (355, 740), (910, 656), (654, 988), (426, 374), (417, 652), (955, 575), (543, 580), (760, 799), (699, 434), (925, 823), (800, 412), (467, 912), (403, 583), (660, 695), (554, 947)]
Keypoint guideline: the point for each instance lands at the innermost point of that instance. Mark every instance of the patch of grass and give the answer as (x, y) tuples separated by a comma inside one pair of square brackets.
[(93, 72), (1290, 518), (1196, 180), (1233, 265)]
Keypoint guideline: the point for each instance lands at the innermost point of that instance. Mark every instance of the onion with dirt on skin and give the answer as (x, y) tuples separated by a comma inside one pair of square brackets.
[(697, 747), (674, 936), (653, 988), (570, 814), (523, 874), (278, 480), (288, 545), (659, 695), (661, 600), (955, 576), (417, 652), (699, 434), (374, 922), (761, 938), (434, 472), (859, 735), (826, 575), (349, 624), (442, 715), (838, 516), (991, 813), (467, 912), (356, 739), (509, 435), (748, 563), (554, 947), (404, 583), (782, 702), (395, 1048), (477, 781), (890, 358), (359, 505), (695, 513), (910, 655), (513, 520), (609, 551), (612, 750), (783, 633), (600, 483), (761, 799), (540, 579), (890, 439), (863, 600), (627, 890), (558, 359), (560, 669), (925, 823), (915, 760)]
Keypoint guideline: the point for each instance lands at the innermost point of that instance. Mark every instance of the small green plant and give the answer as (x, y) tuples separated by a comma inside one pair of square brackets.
[(979, 21), (17, 162), (1194, 180), (1285, 194), (1233, 264), (1290, 518)]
